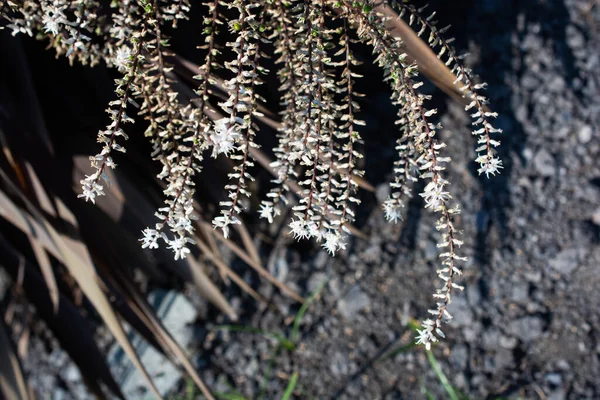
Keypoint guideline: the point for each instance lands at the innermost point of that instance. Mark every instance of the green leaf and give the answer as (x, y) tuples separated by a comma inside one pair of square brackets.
[(303, 309), (290, 387), (441, 376), (289, 345)]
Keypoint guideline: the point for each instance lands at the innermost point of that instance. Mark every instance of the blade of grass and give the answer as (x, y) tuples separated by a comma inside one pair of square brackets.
[(230, 396), (46, 268), (290, 387), (285, 342), (303, 309), (428, 395), (441, 376), (402, 349)]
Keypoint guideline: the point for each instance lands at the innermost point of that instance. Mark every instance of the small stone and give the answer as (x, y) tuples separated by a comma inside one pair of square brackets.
[(534, 276), (520, 292), (557, 395), (431, 251), (353, 302), (251, 368), (491, 339), (563, 365), (504, 359), (339, 364), (471, 332), (527, 329), (575, 39), (585, 134), (459, 356), (567, 260), (554, 379), (460, 311), (556, 84), (544, 163), (280, 269), (321, 259), (508, 342)]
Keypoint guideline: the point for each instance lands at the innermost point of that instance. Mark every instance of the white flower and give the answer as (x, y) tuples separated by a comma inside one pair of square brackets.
[(90, 189), (266, 211), (110, 163), (333, 242), (183, 224), (426, 337), (223, 222), (178, 247), (122, 58), (52, 19), (393, 210), (150, 239), (434, 195), (302, 229), (489, 165), (225, 137)]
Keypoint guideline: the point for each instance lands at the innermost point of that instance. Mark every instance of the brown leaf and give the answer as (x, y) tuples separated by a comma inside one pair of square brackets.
[(74, 255), (12, 383)]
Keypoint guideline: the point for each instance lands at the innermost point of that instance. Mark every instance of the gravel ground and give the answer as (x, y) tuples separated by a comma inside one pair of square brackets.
[(528, 322)]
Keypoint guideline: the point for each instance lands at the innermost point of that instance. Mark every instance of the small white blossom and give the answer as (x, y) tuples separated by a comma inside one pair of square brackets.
[(90, 189), (178, 247), (224, 138), (426, 336), (266, 211), (333, 242), (393, 210), (52, 19), (223, 222), (150, 239), (491, 165), (434, 195), (302, 229), (123, 58), (183, 224), (110, 163)]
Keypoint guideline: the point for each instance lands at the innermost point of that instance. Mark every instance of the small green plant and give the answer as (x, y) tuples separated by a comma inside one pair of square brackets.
[(284, 343)]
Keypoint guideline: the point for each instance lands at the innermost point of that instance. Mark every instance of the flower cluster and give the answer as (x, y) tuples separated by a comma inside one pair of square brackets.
[(236, 133), (117, 111), (489, 163), (317, 164)]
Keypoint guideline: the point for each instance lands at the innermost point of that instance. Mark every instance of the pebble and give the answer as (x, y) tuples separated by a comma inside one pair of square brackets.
[(353, 302), (585, 134), (567, 260), (544, 163), (527, 328), (554, 379), (339, 364)]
